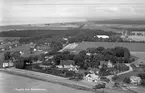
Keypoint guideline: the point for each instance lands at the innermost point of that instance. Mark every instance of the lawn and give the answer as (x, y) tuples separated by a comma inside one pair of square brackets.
[(139, 54), (132, 73), (25, 48)]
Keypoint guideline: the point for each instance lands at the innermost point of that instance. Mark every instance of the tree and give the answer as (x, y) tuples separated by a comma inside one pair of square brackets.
[(127, 80), (119, 51), (141, 75), (92, 50), (7, 55), (57, 58), (56, 45), (103, 71), (79, 60), (31, 50), (100, 49), (108, 51), (20, 64), (126, 55), (71, 56), (83, 52), (16, 55), (94, 62), (143, 82)]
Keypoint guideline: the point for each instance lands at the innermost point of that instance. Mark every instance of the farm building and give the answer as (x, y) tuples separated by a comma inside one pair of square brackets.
[(102, 36)]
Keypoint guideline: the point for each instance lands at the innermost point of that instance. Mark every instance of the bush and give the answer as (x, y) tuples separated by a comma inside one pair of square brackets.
[(99, 86), (57, 72), (105, 79), (143, 82), (36, 66), (142, 75), (69, 73), (127, 80), (121, 67), (20, 64), (77, 77), (115, 77)]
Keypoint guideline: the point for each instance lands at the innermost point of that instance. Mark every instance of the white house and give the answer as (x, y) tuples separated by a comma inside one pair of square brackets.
[(73, 68), (109, 64), (22, 53), (135, 80), (88, 54), (92, 78), (65, 38)]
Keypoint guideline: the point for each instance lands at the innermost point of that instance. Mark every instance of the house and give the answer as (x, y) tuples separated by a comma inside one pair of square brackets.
[(88, 54), (65, 39), (5, 64), (73, 68), (8, 64), (66, 64), (107, 63), (92, 78), (22, 53), (93, 70), (135, 80), (102, 63)]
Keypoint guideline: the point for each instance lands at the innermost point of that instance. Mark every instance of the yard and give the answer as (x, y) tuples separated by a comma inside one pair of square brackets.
[(135, 72), (138, 54)]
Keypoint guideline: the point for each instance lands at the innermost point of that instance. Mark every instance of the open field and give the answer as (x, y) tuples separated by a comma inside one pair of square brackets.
[(107, 25), (10, 38), (26, 49), (132, 73), (31, 27), (140, 55), (133, 47)]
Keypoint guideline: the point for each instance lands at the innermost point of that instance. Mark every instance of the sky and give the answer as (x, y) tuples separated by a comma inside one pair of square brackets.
[(50, 11)]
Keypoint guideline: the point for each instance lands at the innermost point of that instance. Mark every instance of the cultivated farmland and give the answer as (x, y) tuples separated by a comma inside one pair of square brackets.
[(133, 47)]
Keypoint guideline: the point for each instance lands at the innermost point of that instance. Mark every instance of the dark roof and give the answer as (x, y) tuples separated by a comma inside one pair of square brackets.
[(103, 62)]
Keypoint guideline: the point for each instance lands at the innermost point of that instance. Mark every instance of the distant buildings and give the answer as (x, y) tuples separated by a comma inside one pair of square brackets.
[(133, 35)]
